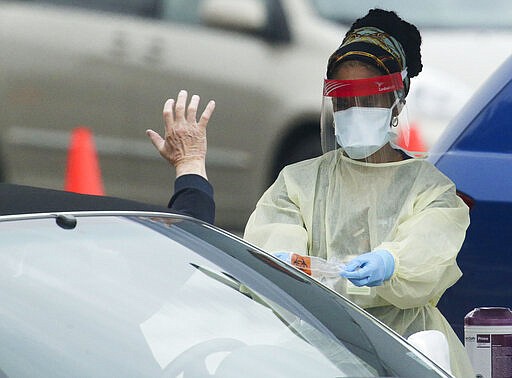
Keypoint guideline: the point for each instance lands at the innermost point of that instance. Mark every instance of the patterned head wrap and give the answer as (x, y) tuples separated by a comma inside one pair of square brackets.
[(373, 46)]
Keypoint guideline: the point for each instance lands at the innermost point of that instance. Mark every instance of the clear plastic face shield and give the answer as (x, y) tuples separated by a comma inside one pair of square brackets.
[(365, 117)]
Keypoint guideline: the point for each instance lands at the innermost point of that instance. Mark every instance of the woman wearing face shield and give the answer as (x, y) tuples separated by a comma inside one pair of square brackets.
[(391, 217)]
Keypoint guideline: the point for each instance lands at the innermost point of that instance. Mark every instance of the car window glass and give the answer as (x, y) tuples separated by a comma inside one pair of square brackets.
[(425, 14), (111, 280), (145, 8), (322, 310), (185, 11)]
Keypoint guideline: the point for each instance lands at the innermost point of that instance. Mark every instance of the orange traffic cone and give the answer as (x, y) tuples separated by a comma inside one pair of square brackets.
[(415, 142), (83, 171)]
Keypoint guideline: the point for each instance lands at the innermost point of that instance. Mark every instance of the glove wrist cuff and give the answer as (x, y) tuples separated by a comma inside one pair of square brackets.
[(388, 261)]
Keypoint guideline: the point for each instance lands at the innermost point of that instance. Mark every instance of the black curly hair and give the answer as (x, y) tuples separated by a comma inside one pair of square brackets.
[(404, 32)]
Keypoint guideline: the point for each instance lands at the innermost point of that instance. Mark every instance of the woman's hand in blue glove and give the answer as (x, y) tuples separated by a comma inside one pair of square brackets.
[(283, 256), (370, 269)]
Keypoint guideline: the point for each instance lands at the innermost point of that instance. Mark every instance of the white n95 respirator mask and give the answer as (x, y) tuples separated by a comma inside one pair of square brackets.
[(362, 131), (363, 115)]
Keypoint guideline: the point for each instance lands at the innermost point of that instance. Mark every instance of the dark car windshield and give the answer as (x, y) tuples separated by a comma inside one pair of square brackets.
[(471, 14), (157, 296)]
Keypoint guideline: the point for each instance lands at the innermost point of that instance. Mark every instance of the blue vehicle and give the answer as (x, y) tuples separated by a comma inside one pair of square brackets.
[(476, 153)]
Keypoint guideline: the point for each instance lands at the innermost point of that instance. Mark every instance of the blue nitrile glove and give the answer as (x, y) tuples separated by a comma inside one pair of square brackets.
[(284, 256), (370, 269)]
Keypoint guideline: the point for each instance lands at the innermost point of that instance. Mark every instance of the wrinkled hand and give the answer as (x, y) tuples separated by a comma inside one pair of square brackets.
[(184, 141), (370, 269)]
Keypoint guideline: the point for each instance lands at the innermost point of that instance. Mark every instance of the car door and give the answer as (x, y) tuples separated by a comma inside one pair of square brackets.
[(477, 156), (63, 68), (182, 51)]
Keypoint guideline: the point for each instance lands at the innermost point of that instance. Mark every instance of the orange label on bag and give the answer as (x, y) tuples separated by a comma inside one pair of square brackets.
[(301, 262)]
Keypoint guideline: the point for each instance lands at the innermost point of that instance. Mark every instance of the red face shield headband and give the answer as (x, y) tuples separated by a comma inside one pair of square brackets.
[(363, 87)]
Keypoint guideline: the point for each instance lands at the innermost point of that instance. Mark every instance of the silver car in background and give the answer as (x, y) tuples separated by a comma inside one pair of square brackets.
[(110, 64)]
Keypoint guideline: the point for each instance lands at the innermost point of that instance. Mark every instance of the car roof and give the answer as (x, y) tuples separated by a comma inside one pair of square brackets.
[(22, 199), (485, 94)]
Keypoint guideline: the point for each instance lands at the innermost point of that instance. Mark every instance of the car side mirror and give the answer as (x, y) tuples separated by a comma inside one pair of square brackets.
[(241, 15), (434, 345)]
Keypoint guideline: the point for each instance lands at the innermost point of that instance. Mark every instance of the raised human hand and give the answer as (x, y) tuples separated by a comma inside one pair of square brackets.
[(184, 143)]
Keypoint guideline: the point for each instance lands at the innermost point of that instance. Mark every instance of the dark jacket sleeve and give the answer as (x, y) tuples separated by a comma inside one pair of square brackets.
[(193, 196)]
